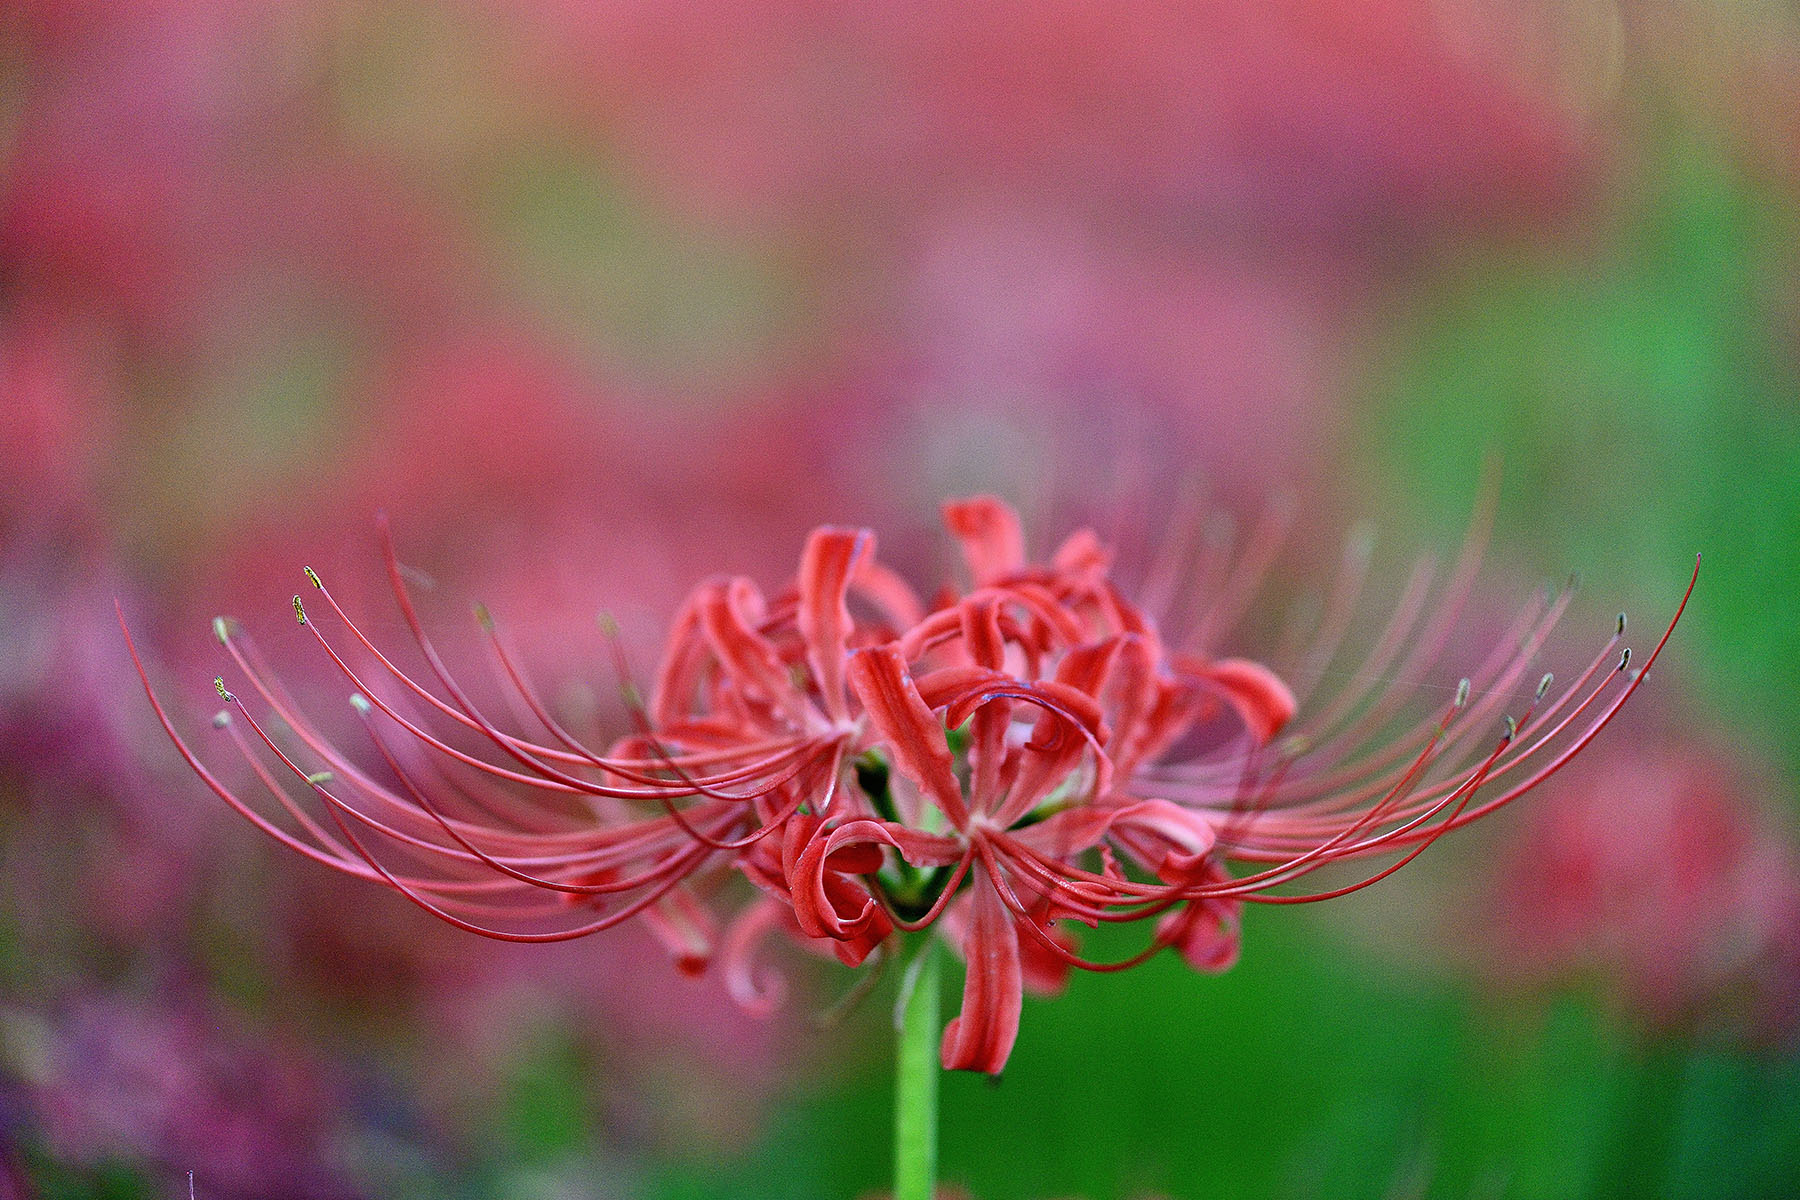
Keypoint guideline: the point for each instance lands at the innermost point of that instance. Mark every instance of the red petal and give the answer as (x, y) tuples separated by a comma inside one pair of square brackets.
[(1205, 932), (1261, 699), (871, 926), (982, 1037), (1067, 833), (987, 742), (826, 568), (886, 590), (860, 859), (924, 633), (826, 903), (942, 686), (911, 731), (1178, 705), (1134, 692), (1043, 973), (1086, 667), (678, 680), (1185, 836), (988, 528), (729, 613), (759, 997), (829, 903), (684, 928), (1083, 554)]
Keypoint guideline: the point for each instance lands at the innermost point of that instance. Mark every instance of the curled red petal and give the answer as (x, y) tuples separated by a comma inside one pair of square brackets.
[(729, 612), (1175, 708), (685, 929), (1084, 556), (929, 630), (1063, 705), (987, 744), (830, 902), (911, 731), (826, 568), (941, 687), (678, 680), (887, 591), (796, 835), (826, 903), (1041, 972), (870, 929), (917, 848), (1261, 699), (858, 859), (757, 994), (1067, 833), (981, 1038), (1087, 666), (1205, 932), (1184, 836), (992, 543)]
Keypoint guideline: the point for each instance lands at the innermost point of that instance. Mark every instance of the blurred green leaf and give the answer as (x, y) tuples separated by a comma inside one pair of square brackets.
[(1643, 395), (546, 1113)]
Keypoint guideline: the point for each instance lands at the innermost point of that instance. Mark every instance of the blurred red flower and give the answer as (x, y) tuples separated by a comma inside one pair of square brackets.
[(1653, 876)]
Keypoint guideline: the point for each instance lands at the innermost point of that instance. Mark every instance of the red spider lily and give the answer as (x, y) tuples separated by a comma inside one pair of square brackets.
[(1029, 754)]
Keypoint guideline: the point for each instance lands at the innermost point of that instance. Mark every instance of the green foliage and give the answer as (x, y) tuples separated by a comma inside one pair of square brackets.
[(1642, 395), (53, 1180), (547, 1104)]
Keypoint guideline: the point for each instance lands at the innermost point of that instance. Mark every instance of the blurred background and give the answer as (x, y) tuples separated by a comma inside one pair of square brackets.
[(597, 300)]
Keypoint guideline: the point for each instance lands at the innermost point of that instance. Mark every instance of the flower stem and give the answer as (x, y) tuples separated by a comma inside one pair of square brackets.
[(916, 1078)]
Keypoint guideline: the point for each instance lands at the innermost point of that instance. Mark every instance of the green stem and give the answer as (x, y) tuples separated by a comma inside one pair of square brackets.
[(916, 1078)]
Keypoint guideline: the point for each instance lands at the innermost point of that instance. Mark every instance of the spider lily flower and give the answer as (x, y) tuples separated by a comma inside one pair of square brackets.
[(523, 842), (1031, 755), (1065, 792)]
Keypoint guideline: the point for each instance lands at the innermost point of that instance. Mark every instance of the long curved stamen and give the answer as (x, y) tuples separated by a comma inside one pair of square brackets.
[(501, 740), (316, 782), (662, 880), (937, 906), (1024, 920), (1232, 599), (424, 801), (543, 776)]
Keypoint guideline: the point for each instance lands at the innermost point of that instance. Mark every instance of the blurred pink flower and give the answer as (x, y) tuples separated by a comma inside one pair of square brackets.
[(484, 439), (171, 176), (1025, 335), (1351, 119), (1653, 875), (71, 760), (176, 1081), (59, 424), (59, 659)]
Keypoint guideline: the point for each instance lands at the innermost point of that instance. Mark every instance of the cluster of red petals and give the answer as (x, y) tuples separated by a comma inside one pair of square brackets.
[(1026, 757)]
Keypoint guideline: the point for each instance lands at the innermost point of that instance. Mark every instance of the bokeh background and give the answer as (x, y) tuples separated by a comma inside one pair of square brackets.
[(598, 299)]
